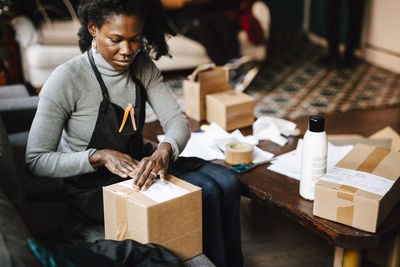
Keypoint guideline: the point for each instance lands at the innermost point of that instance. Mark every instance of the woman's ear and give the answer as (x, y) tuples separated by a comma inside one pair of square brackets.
[(92, 28)]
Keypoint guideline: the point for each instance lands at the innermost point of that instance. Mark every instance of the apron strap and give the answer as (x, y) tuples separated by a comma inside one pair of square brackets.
[(98, 75), (140, 102), (141, 95)]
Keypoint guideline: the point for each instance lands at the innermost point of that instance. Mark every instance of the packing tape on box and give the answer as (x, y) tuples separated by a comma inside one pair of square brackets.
[(238, 152), (373, 160), (122, 212), (345, 214)]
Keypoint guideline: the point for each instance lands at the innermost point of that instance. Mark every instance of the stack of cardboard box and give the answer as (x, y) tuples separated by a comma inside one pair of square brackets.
[(207, 96)]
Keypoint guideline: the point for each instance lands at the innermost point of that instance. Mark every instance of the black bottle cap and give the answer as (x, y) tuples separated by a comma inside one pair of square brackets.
[(316, 124)]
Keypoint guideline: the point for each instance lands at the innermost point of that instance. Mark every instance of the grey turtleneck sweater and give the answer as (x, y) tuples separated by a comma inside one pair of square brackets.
[(68, 108)]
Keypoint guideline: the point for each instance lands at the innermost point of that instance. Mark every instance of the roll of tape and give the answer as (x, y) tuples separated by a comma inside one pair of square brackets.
[(238, 152)]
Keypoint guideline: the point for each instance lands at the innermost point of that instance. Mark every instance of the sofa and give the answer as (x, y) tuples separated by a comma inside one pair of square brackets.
[(33, 207), (16, 104), (41, 54)]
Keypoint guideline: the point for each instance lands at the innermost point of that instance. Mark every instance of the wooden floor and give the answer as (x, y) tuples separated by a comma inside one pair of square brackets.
[(272, 239)]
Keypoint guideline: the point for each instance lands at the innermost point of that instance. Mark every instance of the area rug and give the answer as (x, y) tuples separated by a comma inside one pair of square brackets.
[(292, 83)]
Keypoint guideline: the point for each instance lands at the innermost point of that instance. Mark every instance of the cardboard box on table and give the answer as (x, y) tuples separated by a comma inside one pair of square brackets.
[(359, 203), (230, 110), (175, 224), (200, 84)]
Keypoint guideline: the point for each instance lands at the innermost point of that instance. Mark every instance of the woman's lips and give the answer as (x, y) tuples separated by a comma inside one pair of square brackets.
[(123, 63)]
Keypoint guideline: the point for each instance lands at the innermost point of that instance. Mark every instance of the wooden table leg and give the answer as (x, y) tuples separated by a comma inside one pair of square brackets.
[(338, 257), (346, 257), (394, 253)]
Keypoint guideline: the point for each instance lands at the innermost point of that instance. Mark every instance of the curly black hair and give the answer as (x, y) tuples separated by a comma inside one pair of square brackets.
[(155, 27)]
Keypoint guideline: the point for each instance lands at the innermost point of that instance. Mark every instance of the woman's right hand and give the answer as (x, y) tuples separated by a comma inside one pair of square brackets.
[(116, 162)]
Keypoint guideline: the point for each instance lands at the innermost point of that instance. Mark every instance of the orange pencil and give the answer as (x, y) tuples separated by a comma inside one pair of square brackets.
[(127, 110)]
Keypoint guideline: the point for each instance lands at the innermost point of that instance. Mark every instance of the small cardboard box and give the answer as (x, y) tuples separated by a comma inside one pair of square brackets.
[(361, 189), (149, 217), (201, 83), (230, 110)]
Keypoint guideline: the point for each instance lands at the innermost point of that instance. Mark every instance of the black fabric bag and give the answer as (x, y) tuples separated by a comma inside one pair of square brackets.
[(108, 253)]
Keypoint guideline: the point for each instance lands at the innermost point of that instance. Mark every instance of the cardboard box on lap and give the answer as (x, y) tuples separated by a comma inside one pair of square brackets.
[(361, 190), (166, 214), (201, 83)]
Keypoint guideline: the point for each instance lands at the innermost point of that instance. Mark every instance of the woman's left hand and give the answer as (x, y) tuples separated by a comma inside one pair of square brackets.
[(151, 167)]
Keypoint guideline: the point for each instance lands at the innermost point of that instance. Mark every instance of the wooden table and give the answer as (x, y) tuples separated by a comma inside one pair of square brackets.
[(282, 193)]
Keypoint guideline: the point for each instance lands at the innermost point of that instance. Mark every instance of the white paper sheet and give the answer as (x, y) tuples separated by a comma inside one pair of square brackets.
[(270, 128), (361, 180), (261, 156), (210, 144), (289, 164), (245, 139), (199, 146), (159, 191)]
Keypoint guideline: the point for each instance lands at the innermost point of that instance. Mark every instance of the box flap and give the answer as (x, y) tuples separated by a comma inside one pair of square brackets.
[(231, 97), (131, 194), (374, 160), (201, 68), (388, 132), (183, 184), (353, 139), (355, 157)]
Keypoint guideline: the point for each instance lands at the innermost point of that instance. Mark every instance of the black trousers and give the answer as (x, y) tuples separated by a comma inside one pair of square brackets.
[(356, 8), (218, 34)]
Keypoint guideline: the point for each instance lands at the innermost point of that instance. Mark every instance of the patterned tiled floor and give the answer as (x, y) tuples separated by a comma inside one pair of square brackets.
[(292, 83)]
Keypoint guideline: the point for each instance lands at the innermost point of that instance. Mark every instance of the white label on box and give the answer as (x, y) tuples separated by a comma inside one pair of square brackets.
[(159, 191), (361, 180)]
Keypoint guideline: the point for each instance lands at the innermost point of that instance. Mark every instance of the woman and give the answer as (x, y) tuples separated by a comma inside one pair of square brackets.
[(81, 110)]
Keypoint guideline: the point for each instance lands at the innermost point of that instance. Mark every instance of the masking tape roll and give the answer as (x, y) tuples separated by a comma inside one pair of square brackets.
[(238, 152)]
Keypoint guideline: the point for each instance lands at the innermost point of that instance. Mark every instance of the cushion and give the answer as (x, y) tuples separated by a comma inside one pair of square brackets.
[(12, 91), (14, 235), (9, 181), (64, 32), (5, 258), (48, 56), (31, 186), (18, 113)]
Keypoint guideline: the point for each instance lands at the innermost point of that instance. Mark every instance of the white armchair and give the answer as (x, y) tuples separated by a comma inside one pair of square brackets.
[(39, 60)]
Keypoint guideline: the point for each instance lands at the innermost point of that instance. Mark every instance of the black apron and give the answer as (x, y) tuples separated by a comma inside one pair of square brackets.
[(84, 192)]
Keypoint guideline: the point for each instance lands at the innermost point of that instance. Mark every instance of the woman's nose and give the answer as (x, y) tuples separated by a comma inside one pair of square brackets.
[(126, 48)]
